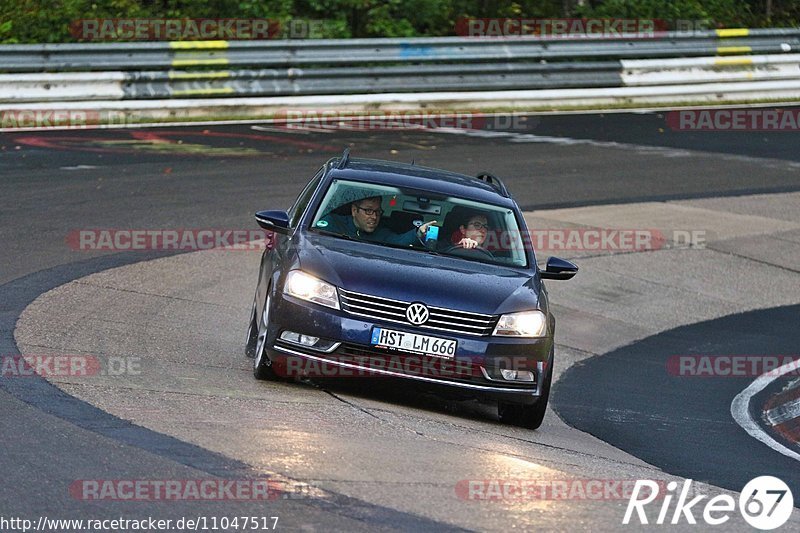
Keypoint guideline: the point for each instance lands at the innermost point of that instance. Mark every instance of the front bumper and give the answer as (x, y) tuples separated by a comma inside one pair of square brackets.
[(474, 369)]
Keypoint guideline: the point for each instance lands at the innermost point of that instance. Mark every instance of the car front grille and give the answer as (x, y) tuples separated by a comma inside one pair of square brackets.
[(441, 319)]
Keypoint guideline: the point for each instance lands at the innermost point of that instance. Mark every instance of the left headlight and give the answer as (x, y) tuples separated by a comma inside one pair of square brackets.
[(307, 287), (525, 324)]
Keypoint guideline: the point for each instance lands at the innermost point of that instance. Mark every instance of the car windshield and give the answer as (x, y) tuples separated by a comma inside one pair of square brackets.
[(392, 216)]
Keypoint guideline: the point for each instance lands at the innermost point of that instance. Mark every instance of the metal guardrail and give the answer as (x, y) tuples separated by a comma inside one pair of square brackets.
[(160, 55), (191, 69), (415, 78), (270, 82)]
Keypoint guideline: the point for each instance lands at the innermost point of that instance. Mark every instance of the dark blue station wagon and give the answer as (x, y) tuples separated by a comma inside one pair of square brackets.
[(384, 269)]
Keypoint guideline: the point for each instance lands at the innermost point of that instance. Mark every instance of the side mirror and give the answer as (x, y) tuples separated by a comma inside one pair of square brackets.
[(277, 221), (558, 268)]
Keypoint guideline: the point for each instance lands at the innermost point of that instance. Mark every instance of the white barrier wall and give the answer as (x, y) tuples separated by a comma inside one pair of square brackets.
[(637, 72), (61, 87)]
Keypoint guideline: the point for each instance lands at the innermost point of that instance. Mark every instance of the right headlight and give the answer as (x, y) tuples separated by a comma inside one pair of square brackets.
[(525, 324), (307, 287)]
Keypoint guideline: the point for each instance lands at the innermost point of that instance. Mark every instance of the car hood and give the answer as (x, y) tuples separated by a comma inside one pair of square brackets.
[(408, 275)]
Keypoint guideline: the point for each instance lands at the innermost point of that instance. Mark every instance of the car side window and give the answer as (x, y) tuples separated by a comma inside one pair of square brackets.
[(296, 212)]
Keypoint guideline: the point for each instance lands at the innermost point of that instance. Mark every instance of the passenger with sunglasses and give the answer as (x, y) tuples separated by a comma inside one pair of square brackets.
[(364, 223)]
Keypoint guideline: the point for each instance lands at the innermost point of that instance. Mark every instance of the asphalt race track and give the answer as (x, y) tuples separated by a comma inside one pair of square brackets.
[(354, 456), (693, 430)]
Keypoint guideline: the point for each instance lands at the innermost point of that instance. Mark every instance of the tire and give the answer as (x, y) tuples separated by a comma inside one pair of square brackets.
[(529, 416), (251, 340), (262, 368)]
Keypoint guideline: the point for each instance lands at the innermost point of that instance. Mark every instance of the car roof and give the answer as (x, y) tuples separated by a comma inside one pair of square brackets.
[(414, 176)]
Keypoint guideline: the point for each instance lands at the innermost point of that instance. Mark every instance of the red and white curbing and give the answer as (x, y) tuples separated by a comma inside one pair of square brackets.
[(782, 413), (740, 410)]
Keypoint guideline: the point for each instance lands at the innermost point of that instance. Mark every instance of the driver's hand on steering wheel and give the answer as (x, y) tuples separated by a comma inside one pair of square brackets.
[(467, 243)]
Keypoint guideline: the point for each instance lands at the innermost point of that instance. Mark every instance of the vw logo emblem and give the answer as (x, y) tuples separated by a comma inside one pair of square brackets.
[(417, 313)]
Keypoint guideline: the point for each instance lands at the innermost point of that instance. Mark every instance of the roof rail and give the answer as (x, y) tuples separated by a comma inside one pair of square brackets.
[(494, 181), (344, 160)]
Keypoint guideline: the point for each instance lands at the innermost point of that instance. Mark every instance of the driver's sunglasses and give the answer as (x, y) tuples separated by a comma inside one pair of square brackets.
[(370, 212), (478, 225)]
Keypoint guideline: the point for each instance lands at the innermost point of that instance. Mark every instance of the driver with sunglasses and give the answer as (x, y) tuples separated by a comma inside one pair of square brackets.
[(364, 224)]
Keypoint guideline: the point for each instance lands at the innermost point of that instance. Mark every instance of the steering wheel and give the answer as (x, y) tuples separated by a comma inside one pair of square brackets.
[(465, 251)]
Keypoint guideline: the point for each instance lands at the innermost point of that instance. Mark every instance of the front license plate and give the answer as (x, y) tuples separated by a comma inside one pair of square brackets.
[(412, 342)]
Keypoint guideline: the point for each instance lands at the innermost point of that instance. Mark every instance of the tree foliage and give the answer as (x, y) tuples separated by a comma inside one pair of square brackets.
[(48, 21)]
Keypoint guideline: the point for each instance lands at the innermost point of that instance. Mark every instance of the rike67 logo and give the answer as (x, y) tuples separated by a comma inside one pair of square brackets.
[(765, 503)]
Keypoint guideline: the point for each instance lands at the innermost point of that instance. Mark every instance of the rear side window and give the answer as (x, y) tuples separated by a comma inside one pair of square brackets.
[(296, 212)]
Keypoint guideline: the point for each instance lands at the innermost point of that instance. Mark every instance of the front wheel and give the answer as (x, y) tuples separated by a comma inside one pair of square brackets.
[(262, 367), (529, 416)]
